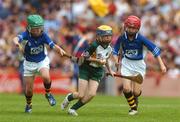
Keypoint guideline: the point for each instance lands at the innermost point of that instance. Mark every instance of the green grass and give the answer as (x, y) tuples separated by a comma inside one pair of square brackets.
[(100, 109)]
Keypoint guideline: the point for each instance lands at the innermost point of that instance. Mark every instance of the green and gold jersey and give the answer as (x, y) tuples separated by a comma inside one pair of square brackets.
[(95, 50)]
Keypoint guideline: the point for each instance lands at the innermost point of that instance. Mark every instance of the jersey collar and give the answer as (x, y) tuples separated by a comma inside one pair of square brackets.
[(127, 37)]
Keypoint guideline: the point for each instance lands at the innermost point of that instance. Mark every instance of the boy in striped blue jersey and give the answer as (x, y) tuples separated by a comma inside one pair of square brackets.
[(32, 44), (134, 47)]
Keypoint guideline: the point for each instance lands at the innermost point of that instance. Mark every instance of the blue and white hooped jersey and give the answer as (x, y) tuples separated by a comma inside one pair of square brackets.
[(34, 48), (135, 49)]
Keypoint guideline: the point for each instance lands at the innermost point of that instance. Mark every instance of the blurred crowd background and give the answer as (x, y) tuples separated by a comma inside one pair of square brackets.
[(72, 23)]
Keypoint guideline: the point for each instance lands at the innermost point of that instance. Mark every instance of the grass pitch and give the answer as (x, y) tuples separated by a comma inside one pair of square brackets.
[(100, 109)]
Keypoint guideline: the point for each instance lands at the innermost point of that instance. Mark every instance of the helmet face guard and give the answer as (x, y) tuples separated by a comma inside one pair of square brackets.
[(103, 32), (104, 35), (132, 24), (35, 22)]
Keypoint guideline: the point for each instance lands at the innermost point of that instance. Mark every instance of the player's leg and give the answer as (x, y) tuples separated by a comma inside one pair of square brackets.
[(78, 95), (84, 73), (127, 90), (91, 92), (96, 76), (127, 69), (119, 85), (136, 91), (44, 72), (28, 80), (82, 86), (140, 68)]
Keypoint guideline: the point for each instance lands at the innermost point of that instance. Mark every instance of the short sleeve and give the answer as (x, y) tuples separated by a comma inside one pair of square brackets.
[(23, 36), (48, 41)]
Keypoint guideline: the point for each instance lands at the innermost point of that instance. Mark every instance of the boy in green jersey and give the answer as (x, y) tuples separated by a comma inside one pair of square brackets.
[(91, 70)]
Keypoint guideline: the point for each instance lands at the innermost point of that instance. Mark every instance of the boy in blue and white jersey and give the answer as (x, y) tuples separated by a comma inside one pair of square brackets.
[(32, 44), (134, 47)]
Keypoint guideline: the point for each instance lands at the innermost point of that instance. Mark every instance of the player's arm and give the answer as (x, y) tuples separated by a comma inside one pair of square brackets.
[(151, 46), (116, 52), (161, 64), (59, 50), (156, 52), (100, 61), (116, 59), (109, 68), (52, 45), (87, 57), (17, 41)]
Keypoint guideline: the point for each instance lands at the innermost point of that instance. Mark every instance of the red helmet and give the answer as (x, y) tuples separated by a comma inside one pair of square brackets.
[(132, 21)]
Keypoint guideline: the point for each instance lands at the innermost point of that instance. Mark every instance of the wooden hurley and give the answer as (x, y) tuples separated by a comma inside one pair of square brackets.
[(138, 78)]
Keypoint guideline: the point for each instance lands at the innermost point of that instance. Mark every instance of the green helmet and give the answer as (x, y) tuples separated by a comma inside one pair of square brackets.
[(34, 21)]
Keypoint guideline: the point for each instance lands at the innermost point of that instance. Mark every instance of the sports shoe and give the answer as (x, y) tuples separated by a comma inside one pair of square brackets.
[(28, 108), (72, 112), (50, 99), (133, 112), (65, 102)]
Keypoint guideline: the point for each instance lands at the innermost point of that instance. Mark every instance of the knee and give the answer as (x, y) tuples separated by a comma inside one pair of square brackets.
[(137, 93), (80, 96), (46, 78), (29, 88), (126, 89)]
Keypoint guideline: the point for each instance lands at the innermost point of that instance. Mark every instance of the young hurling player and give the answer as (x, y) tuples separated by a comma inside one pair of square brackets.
[(134, 47), (32, 43), (92, 71)]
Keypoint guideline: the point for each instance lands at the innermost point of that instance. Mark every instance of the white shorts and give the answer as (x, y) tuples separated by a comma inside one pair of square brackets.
[(133, 67), (33, 68)]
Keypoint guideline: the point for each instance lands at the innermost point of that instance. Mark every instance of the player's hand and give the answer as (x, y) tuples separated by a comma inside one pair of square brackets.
[(61, 51), (102, 61), (74, 59), (117, 64), (19, 47), (112, 73), (79, 60), (163, 69)]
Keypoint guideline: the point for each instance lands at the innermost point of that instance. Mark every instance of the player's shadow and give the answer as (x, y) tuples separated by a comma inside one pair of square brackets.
[(122, 114)]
